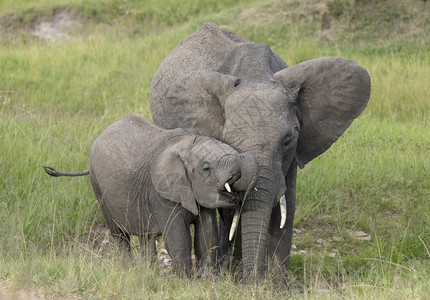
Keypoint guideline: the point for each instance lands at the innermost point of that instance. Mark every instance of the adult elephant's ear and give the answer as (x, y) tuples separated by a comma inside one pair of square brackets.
[(330, 93), (169, 176), (196, 101)]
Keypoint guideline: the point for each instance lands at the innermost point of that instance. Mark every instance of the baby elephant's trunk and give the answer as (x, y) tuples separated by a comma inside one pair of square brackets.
[(248, 172)]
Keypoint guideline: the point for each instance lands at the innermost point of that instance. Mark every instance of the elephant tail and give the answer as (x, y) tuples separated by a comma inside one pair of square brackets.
[(52, 172)]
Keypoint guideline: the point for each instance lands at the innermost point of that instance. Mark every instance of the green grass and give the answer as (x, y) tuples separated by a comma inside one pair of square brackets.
[(56, 97)]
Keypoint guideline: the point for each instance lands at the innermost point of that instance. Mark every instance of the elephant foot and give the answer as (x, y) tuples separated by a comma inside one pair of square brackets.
[(278, 272)]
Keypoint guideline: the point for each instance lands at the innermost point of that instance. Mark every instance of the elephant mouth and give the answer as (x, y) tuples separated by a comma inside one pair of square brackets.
[(231, 198)]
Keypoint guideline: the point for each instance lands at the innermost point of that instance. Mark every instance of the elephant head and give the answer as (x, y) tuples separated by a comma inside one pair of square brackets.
[(245, 95), (199, 169)]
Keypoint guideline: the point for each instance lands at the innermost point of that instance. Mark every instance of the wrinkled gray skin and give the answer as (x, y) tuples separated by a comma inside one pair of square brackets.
[(244, 94), (151, 181)]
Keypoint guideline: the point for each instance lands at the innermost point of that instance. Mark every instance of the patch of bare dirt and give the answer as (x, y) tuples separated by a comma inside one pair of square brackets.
[(100, 244), (328, 243), (315, 5), (8, 294), (58, 26)]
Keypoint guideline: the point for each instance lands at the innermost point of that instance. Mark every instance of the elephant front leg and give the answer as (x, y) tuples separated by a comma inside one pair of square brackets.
[(231, 250), (279, 245), (280, 240), (207, 243)]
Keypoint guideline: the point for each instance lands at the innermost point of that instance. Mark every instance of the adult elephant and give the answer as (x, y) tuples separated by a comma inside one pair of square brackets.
[(242, 93)]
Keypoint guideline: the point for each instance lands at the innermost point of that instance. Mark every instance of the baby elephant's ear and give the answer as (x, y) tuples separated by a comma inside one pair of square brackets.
[(170, 179)]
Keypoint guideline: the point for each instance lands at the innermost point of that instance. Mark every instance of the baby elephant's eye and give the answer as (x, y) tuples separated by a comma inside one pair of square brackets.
[(237, 82), (205, 167)]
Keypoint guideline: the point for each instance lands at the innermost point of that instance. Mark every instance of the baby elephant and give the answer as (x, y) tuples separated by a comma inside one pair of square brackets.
[(151, 181)]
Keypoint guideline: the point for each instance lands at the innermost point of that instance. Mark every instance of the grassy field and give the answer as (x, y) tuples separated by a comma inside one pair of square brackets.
[(70, 68)]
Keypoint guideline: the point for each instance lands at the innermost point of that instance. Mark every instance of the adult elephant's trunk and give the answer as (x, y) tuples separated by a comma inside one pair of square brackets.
[(255, 224), (254, 243)]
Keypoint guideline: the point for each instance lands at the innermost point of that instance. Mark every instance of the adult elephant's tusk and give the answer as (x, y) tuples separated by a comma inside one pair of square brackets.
[(234, 223), (227, 187), (283, 206)]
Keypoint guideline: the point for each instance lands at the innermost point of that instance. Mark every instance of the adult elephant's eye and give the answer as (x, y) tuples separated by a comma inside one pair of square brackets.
[(287, 141), (206, 167)]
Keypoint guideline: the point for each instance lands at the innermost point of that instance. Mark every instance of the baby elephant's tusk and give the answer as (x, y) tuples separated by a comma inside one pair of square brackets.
[(227, 187), (234, 223), (283, 206)]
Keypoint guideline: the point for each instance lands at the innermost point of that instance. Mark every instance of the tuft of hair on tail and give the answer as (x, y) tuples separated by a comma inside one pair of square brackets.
[(50, 171)]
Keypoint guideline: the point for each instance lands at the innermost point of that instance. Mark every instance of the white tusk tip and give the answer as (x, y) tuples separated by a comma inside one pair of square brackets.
[(234, 223), (227, 187), (283, 207)]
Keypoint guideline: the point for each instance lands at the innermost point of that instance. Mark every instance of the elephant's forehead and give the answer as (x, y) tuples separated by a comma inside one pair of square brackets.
[(264, 124), (266, 99), (262, 116), (211, 150)]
